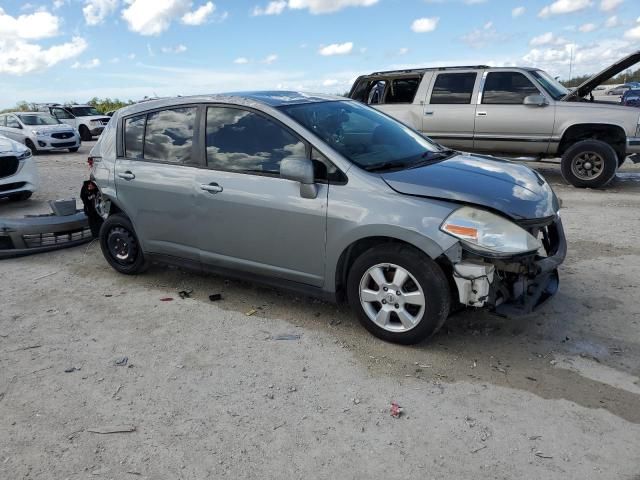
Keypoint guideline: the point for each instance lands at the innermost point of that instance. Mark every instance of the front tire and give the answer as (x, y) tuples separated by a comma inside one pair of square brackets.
[(85, 134), (19, 197), (399, 293), (74, 149), (31, 146), (589, 164), (120, 245)]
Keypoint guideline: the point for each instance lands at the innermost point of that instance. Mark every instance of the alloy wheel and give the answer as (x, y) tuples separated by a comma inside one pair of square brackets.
[(587, 165)]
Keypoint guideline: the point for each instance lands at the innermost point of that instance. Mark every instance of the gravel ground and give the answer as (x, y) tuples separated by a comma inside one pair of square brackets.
[(299, 389)]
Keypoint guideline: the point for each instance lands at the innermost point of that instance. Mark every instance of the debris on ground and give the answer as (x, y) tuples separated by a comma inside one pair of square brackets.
[(29, 347), (288, 336), (396, 410), (166, 299), (253, 311), (72, 369), (476, 450), (185, 293), (121, 361), (112, 429), (214, 297), (115, 394), (542, 455)]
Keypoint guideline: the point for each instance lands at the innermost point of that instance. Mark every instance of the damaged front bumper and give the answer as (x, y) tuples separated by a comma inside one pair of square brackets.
[(42, 233), (516, 285)]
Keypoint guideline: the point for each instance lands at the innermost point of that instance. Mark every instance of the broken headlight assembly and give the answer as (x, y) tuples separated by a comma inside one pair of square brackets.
[(488, 233)]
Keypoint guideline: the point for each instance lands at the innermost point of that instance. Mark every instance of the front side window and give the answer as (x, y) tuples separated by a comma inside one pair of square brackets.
[(169, 135), (12, 122), (550, 84), (243, 141), (363, 135), (403, 90), (453, 88), (133, 136), (507, 88), (85, 111)]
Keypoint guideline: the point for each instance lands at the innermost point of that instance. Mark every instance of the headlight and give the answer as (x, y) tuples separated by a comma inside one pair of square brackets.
[(485, 231), (95, 121), (24, 155), (38, 133)]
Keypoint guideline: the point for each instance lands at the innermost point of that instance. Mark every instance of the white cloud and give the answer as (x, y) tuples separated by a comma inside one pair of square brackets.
[(241, 60), (547, 38), (177, 49), (425, 24), (58, 4), (328, 6), (18, 57), (608, 5), (200, 15), (32, 26), (269, 59), (330, 82), (152, 17), (95, 11), (273, 8), (403, 51), (633, 33), (560, 7), (587, 27), (336, 49), (612, 22), (93, 63), (517, 12), (481, 37), (131, 56)]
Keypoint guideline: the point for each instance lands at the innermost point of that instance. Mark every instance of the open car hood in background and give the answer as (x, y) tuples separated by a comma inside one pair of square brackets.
[(586, 87)]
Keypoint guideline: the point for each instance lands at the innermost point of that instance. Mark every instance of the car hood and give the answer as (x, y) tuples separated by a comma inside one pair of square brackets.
[(11, 147), (609, 72), (63, 127), (96, 117), (510, 188)]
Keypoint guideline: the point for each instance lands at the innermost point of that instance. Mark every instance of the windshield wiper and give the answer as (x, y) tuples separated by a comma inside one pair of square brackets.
[(387, 166)]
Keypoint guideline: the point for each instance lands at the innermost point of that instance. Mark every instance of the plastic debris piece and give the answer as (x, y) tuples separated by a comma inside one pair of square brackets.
[(112, 429), (185, 293), (288, 336), (253, 311), (396, 410), (121, 362), (214, 297)]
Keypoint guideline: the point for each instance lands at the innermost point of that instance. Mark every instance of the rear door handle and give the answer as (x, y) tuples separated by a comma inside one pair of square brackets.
[(428, 113), (211, 187), (127, 175), (481, 114)]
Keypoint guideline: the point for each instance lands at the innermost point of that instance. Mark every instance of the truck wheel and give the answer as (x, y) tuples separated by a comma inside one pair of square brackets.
[(85, 134), (120, 245), (399, 293), (589, 164)]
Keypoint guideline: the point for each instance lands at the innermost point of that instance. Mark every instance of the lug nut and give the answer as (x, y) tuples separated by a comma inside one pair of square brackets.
[(384, 302), (398, 293), (385, 288), (397, 306)]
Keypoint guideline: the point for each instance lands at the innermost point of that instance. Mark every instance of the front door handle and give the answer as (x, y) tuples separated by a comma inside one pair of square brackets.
[(428, 113), (481, 114), (211, 187), (127, 175)]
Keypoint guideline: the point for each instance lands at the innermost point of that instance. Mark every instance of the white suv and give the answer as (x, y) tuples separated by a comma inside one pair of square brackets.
[(85, 118)]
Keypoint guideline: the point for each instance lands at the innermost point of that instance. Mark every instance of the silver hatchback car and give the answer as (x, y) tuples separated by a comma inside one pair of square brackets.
[(328, 197)]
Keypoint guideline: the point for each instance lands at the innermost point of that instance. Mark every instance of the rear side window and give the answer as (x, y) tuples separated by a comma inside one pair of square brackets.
[(453, 88), (242, 141), (507, 88), (169, 135), (133, 136), (403, 90), (12, 122)]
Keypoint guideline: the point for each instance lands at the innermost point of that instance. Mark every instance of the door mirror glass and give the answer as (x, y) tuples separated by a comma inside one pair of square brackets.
[(537, 100), (300, 169)]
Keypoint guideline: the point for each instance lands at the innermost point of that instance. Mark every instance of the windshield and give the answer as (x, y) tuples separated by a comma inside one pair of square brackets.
[(38, 119), (550, 84), (84, 111), (364, 136)]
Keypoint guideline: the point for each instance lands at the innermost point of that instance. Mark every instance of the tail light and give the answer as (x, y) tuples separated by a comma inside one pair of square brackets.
[(90, 162)]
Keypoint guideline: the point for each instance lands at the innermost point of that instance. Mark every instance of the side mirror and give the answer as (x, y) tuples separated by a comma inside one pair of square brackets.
[(300, 169), (536, 100)]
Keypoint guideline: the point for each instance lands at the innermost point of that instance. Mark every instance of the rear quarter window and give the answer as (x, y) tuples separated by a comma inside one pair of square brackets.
[(133, 136)]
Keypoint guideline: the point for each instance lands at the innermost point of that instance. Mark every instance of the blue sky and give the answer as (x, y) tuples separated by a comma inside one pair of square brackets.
[(71, 50)]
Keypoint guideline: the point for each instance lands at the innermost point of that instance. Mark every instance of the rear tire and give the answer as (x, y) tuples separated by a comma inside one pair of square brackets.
[(120, 245), (589, 164), (85, 134), (399, 293), (74, 149)]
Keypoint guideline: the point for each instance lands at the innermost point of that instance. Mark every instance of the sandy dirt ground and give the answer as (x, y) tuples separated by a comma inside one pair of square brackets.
[(298, 389)]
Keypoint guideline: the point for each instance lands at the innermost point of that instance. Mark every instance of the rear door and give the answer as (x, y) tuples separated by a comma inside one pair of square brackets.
[(251, 219), (503, 123), (449, 114), (156, 179)]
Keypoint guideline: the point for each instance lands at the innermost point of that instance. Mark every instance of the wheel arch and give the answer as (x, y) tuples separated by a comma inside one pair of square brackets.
[(609, 133)]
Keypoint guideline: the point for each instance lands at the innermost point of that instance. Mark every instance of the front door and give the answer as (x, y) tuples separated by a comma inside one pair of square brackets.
[(403, 98), (156, 181), (13, 129), (250, 219), (449, 113), (504, 123), (64, 116)]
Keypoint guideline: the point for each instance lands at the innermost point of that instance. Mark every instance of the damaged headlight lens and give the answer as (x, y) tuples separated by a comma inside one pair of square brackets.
[(483, 230)]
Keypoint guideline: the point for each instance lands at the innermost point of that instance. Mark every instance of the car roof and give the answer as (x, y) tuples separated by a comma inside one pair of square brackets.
[(461, 67), (270, 98)]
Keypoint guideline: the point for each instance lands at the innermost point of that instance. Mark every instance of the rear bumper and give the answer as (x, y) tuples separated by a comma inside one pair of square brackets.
[(514, 286), (24, 236)]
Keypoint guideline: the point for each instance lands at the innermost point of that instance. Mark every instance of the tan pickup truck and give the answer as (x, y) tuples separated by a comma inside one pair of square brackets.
[(515, 112)]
